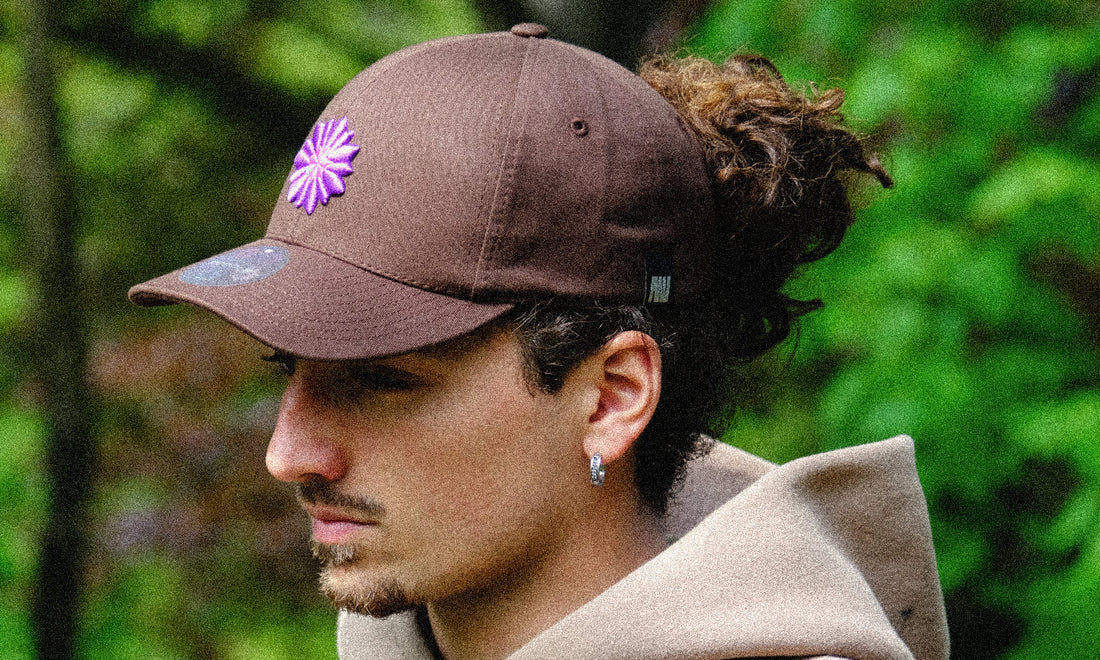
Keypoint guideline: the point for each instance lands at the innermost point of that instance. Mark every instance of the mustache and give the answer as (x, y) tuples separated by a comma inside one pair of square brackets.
[(319, 491)]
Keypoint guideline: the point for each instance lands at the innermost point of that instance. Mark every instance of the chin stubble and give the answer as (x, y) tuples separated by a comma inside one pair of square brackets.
[(377, 598)]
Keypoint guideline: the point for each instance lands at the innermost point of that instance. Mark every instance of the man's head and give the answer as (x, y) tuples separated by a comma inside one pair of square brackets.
[(456, 204)]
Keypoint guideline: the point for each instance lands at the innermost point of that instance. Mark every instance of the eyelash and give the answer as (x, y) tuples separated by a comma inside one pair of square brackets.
[(366, 378), (283, 362)]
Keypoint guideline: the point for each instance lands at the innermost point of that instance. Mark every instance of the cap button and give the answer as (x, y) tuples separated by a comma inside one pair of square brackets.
[(530, 30)]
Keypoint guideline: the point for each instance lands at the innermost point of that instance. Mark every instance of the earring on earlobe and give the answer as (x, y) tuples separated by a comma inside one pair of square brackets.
[(596, 470)]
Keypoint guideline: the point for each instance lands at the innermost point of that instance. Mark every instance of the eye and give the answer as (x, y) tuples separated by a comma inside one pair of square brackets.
[(384, 379), (283, 362)]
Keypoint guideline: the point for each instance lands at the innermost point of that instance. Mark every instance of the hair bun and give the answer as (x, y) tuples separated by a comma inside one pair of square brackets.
[(779, 162)]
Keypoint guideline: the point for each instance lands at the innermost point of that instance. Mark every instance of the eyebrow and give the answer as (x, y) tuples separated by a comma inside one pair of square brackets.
[(419, 365), (383, 369)]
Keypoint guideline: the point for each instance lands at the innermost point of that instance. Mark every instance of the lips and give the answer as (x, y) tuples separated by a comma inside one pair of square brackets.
[(335, 531), (333, 527)]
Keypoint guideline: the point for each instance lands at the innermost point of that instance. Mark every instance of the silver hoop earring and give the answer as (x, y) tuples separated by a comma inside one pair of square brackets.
[(596, 470)]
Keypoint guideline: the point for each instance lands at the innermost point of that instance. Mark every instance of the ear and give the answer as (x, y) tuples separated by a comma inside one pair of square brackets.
[(627, 372)]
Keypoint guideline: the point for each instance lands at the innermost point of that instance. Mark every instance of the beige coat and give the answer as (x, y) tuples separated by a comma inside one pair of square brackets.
[(828, 556)]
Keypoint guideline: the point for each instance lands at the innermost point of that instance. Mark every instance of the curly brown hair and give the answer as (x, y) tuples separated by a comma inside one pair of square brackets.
[(779, 162)]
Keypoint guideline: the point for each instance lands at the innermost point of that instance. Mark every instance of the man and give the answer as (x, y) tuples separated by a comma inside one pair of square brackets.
[(505, 279)]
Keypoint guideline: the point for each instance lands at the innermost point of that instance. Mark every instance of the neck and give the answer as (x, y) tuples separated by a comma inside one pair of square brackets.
[(496, 621)]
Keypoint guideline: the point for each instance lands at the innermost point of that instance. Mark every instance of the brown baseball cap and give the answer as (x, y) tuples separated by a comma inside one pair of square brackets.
[(455, 178)]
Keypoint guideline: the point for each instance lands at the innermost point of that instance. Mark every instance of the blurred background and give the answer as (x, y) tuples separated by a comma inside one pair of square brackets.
[(137, 136)]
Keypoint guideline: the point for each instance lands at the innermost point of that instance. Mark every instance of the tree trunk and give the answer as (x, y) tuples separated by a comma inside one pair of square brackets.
[(50, 214)]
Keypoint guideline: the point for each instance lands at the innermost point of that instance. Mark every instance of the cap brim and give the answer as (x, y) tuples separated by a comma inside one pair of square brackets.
[(321, 308)]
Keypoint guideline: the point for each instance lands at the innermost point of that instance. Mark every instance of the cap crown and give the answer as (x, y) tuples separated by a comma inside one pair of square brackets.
[(500, 167)]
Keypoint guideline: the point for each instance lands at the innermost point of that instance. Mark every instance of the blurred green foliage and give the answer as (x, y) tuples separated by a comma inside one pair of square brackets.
[(962, 309)]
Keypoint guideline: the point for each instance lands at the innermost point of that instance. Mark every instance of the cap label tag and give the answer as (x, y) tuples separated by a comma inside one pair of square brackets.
[(658, 277), (241, 266), (659, 286)]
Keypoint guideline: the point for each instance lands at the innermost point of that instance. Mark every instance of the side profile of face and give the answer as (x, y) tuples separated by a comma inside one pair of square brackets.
[(432, 475)]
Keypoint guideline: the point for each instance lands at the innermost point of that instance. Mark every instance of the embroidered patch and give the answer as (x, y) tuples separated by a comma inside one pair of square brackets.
[(241, 266), (321, 164)]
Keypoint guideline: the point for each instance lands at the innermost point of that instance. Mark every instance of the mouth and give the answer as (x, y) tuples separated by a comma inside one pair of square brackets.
[(333, 527)]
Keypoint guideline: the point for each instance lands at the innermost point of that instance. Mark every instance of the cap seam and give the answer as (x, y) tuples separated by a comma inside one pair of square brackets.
[(453, 292), (502, 195)]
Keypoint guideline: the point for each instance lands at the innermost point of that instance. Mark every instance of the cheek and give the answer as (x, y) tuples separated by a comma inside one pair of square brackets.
[(494, 463)]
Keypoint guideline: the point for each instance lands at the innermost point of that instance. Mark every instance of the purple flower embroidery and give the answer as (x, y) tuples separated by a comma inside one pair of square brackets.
[(321, 164)]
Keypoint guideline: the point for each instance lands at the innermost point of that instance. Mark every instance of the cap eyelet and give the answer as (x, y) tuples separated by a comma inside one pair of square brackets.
[(579, 126)]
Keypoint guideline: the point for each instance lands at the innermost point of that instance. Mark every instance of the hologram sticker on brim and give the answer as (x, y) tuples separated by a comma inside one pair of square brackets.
[(241, 266)]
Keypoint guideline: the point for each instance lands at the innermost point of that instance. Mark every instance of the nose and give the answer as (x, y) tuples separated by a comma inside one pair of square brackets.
[(305, 442)]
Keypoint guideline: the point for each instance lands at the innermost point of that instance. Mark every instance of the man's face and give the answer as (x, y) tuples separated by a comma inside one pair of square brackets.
[(431, 475)]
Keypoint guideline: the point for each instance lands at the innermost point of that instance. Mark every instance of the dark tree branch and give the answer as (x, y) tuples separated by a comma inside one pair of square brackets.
[(623, 30), (1076, 282), (1072, 91), (217, 78)]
